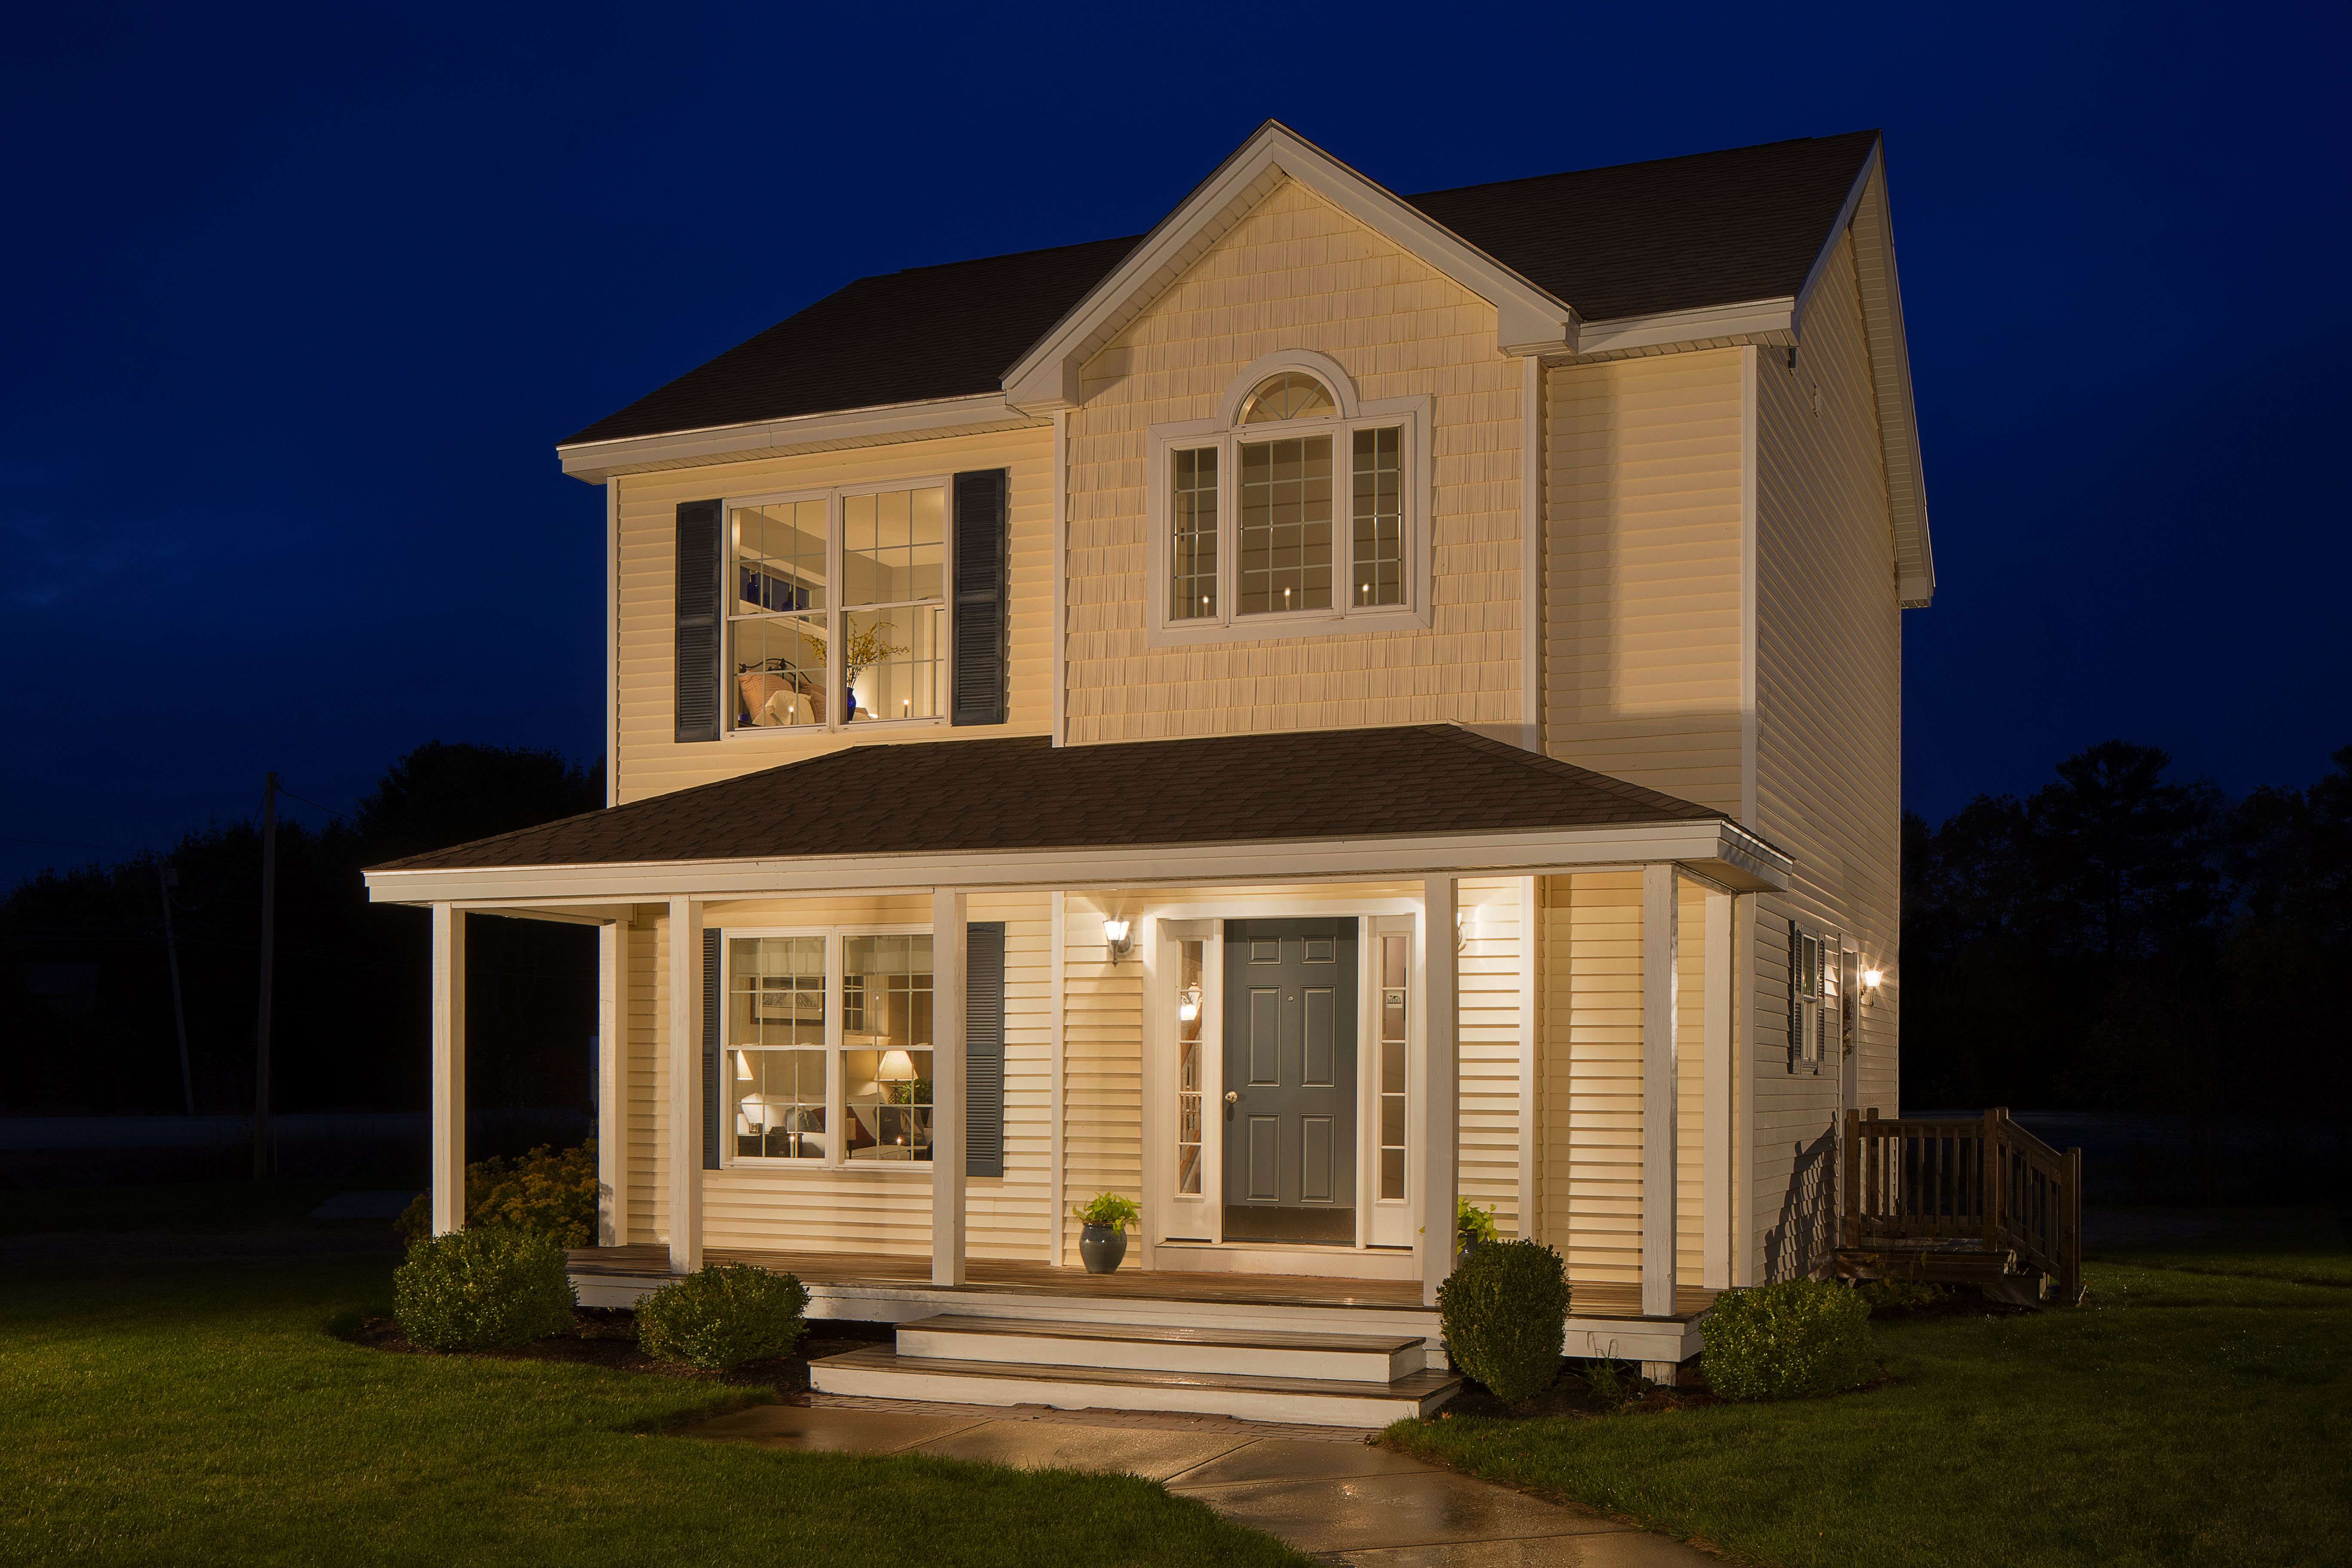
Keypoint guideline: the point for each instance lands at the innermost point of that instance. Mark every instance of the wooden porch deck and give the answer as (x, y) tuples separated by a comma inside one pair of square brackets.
[(853, 1271)]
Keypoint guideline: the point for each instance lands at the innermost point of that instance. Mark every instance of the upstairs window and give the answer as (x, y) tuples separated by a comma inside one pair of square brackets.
[(1292, 515), (839, 614)]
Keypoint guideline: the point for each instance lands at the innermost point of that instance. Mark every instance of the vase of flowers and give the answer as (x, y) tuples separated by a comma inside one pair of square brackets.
[(866, 647), (1102, 1238)]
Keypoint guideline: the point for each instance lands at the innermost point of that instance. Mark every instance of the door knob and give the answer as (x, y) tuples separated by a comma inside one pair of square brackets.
[(1233, 1097)]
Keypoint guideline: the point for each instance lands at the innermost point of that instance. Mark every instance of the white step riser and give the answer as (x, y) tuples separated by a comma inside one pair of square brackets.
[(1149, 1355), (1369, 1412)]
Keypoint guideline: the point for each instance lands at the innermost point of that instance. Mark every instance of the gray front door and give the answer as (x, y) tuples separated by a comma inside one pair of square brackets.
[(1290, 1080)]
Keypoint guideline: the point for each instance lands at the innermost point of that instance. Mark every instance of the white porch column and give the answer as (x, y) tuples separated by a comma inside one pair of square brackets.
[(1714, 1203), (684, 1149), (1658, 1172), (947, 1085), (1439, 1085), (612, 1085), (448, 1069)]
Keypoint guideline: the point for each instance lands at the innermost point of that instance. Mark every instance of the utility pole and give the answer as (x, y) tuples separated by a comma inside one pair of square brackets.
[(261, 1161), (170, 877)]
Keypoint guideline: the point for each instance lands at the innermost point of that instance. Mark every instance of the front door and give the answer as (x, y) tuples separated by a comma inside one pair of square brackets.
[(1290, 1080)]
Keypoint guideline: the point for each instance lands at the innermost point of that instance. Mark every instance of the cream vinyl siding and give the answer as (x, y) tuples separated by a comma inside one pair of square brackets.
[(651, 761), (1642, 591), (1296, 273), (1490, 1032), (1829, 717), (1102, 1067), (1589, 1072)]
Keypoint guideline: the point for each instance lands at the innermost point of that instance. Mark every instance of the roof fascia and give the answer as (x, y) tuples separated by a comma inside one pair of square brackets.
[(1721, 850), (1529, 319), (1890, 368), (1701, 327), (596, 461)]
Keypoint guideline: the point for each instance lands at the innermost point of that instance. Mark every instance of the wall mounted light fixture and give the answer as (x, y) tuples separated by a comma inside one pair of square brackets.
[(1871, 980), (1116, 937), (1188, 1004)]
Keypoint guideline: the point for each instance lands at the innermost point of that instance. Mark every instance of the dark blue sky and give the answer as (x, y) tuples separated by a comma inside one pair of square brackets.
[(296, 304)]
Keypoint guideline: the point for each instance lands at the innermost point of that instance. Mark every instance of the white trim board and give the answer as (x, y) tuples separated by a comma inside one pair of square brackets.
[(833, 430), (1529, 319), (1716, 850)]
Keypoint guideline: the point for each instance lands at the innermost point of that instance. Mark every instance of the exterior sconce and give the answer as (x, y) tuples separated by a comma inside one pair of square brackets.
[(1871, 980), (1466, 927), (1188, 1004), (1117, 938)]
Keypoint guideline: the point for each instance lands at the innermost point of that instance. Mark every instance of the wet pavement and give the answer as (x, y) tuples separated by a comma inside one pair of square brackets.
[(1344, 1501)]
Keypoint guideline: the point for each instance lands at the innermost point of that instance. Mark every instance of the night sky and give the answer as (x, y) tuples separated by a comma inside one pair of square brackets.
[(296, 306)]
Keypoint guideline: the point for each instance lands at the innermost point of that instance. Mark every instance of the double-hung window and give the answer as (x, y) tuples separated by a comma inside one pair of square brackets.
[(1297, 514), (839, 612), (827, 1047)]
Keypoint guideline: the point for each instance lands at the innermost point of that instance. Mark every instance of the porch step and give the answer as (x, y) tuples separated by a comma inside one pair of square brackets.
[(878, 1374), (1133, 1347)]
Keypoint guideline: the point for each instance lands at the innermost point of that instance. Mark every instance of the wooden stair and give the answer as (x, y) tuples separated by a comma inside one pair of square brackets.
[(1309, 1379)]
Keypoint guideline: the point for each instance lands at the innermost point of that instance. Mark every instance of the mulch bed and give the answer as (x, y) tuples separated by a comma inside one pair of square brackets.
[(607, 1337)]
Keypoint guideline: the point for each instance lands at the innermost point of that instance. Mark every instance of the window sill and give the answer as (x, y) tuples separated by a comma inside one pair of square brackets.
[(1288, 627), (765, 731)]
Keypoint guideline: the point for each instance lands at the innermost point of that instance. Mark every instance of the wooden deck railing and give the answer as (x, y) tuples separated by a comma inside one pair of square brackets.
[(1982, 1183)]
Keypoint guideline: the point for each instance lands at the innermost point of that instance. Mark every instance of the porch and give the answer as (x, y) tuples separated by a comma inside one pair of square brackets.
[(894, 1071)]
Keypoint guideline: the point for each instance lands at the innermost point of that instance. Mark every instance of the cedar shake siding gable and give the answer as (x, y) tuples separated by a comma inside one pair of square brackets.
[(1025, 793), (1635, 239)]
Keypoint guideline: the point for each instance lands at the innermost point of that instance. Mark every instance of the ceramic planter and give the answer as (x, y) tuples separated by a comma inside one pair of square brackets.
[(1102, 1247)]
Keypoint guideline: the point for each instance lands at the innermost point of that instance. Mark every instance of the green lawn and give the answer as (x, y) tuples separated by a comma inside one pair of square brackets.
[(196, 1414), (2176, 1418), (166, 1206)]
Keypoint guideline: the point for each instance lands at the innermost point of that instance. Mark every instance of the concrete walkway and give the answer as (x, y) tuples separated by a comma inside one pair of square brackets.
[(1330, 1495)]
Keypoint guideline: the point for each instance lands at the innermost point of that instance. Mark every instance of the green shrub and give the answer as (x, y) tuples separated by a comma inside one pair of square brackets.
[(549, 1191), (727, 1314), (482, 1289), (1505, 1315), (1894, 1296), (1117, 1212), (1787, 1341), (1471, 1225)]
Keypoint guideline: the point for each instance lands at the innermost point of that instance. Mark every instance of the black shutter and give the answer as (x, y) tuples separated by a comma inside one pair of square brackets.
[(983, 1048), (1796, 1003), (702, 617), (984, 648), (713, 1063)]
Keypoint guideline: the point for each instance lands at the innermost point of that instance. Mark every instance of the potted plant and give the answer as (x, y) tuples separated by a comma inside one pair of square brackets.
[(1472, 1226), (1103, 1241)]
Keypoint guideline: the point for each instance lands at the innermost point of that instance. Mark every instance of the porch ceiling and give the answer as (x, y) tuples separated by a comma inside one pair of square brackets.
[(1329, 803)]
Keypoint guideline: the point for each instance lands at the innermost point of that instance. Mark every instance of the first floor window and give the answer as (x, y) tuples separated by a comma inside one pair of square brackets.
[(827, 1047), (1191, 1006)]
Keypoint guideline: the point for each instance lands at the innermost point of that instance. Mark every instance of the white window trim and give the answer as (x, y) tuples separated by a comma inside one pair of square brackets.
[(836, 611), (836, 941), (1221, 434)]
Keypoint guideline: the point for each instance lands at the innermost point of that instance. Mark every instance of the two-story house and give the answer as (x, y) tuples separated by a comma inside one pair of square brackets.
[(1341, 704)]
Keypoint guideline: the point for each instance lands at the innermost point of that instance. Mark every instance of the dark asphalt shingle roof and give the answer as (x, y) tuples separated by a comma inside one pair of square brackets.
[(1025, 793), (1715, 228)]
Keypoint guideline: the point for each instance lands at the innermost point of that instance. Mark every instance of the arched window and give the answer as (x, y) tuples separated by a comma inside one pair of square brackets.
[(1291, 394), (1297, 505)]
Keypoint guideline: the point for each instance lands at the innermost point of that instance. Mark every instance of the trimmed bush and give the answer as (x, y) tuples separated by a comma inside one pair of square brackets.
[(1788, 1341), (1504, 1310), (727, 1314), (487, 1289), (551, 1191)]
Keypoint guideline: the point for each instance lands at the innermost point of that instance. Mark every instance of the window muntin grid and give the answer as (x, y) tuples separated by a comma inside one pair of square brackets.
[(1286, 395), (1193, 534), (1190, 1044), (1377, 564), (778, 646), (1284, 525), (839, 611), (775, 1036), (886, 1036), (1394, 1009)]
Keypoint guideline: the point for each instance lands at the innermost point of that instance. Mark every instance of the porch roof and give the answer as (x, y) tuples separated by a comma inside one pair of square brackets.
[(1022, 793)]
